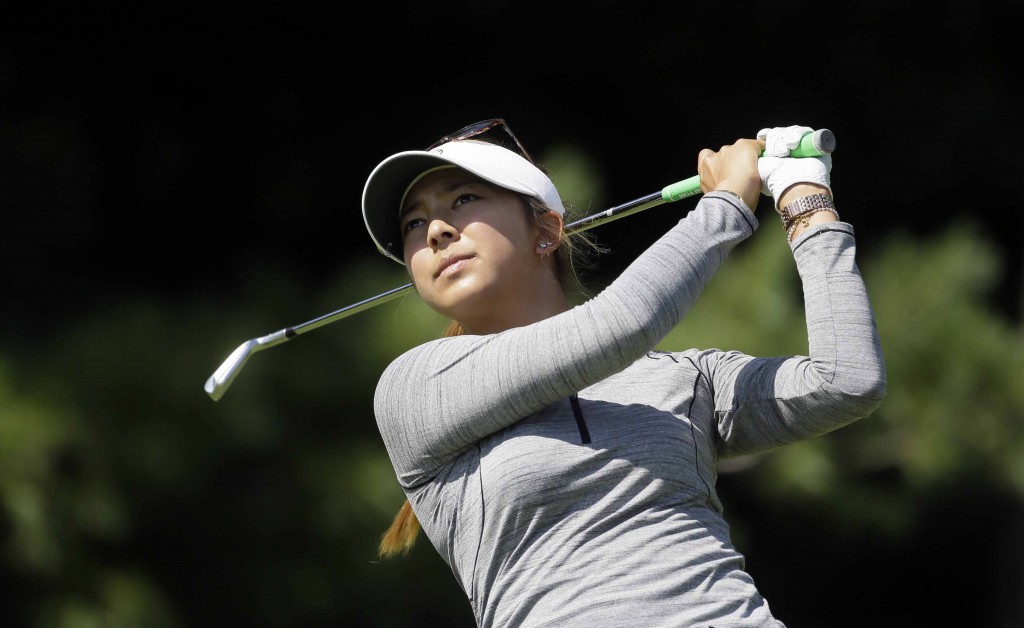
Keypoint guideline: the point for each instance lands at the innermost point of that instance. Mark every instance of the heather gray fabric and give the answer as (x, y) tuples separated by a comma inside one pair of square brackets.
[(543, 529)]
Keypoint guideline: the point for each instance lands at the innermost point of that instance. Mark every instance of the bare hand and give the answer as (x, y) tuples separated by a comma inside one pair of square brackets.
[(732, 168)]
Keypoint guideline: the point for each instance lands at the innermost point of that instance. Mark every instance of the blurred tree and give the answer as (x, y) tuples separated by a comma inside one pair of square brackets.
[(948, 437), (955, 404), (129, 498)]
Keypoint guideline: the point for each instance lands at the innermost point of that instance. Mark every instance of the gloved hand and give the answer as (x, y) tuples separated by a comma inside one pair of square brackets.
[(778, 171)]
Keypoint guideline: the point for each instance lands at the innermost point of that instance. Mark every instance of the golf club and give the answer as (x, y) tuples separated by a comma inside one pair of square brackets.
[(813, 144)]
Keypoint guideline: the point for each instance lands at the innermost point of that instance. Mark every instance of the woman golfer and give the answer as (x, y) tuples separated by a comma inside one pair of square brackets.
[(561, 465)]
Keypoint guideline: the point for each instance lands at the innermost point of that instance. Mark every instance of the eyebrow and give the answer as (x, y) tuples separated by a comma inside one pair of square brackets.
[(450, 187)]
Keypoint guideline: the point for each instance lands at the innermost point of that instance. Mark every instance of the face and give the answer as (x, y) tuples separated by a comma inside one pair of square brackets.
[(471, 248)]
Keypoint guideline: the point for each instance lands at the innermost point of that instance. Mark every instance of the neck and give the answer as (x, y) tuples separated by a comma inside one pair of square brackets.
[(546, 301)]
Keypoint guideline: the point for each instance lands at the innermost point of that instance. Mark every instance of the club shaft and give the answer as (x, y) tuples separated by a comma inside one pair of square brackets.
[(811, 145), (594, 220), (217, 384)]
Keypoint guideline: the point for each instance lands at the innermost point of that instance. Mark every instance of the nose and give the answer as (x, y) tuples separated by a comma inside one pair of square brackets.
[(440, 234)]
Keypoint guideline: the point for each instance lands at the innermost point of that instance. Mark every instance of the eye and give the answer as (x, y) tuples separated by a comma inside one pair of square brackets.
[(464, 198), (411, 224)]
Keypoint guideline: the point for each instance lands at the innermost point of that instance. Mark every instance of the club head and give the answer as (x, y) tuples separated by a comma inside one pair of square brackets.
[(217, 384)]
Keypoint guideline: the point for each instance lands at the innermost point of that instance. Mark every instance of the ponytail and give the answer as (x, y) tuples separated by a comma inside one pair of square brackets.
[(401, 535)]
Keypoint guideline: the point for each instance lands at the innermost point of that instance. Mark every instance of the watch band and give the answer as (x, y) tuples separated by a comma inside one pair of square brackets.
[(804, 204)]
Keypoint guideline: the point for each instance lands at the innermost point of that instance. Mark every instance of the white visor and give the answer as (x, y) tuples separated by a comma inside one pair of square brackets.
[(390, 181)]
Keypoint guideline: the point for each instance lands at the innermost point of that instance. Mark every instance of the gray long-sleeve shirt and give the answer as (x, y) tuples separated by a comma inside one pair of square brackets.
[(606, 514)]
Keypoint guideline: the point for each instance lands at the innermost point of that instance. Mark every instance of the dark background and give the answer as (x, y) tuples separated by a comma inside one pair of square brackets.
[(158, 153), (152, 147)]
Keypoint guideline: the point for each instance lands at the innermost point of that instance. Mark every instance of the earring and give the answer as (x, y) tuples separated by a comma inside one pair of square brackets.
[(544, 245)]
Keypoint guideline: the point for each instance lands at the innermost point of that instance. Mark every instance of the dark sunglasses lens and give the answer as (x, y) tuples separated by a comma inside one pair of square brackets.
[(479, 128), (468, 131)]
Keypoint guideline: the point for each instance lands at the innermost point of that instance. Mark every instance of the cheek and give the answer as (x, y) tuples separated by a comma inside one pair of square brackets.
[(509, 236), (416, 264), (415, 254), (420, 268), (409, 250)]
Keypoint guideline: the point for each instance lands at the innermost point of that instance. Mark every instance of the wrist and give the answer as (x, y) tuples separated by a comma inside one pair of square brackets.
[(797, 190), (801, 212), (817, 218), (745, 193)]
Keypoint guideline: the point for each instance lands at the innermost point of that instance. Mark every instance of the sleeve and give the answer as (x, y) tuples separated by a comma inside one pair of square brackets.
[(438, 399), (762, 403)]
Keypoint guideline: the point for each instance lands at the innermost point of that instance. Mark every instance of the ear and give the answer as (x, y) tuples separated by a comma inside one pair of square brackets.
[(549, 235)]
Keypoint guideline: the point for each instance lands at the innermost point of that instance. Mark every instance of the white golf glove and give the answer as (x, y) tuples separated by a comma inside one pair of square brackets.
[(779, 171)]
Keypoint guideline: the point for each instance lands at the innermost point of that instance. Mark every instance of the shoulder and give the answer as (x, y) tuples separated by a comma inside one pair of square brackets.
[(427, 359), (694, 357), (708, 361), (411, 358), (668, 362)]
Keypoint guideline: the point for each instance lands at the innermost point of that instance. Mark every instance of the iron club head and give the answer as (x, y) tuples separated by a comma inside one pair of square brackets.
[(217, 384)]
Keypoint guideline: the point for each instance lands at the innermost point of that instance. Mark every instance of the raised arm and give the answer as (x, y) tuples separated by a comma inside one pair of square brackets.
[(763, 403), (437, 399)]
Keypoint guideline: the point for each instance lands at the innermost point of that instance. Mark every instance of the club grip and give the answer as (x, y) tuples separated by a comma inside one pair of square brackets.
[(813, 144)]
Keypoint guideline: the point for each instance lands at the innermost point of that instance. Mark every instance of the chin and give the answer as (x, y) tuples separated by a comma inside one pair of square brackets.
[(462, 302)]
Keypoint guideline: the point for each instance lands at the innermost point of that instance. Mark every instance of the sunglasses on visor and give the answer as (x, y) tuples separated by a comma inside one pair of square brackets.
[(478, 129)]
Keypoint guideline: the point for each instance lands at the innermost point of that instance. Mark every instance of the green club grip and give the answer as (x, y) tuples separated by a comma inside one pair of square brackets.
[(812, 144), (681, 189)]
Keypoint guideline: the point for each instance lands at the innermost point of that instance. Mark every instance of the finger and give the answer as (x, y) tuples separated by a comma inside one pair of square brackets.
[(750, 146), (702, 157), (703, 170), (791, 135)]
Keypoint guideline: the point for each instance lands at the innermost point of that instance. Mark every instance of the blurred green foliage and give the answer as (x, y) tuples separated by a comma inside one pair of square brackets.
[(955, 403), (129, 498)]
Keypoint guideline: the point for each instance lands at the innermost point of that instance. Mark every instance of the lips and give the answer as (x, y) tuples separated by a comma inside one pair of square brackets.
[(448, 262)]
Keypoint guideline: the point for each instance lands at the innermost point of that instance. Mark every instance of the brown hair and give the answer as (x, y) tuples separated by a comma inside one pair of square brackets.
[(573, 254)]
